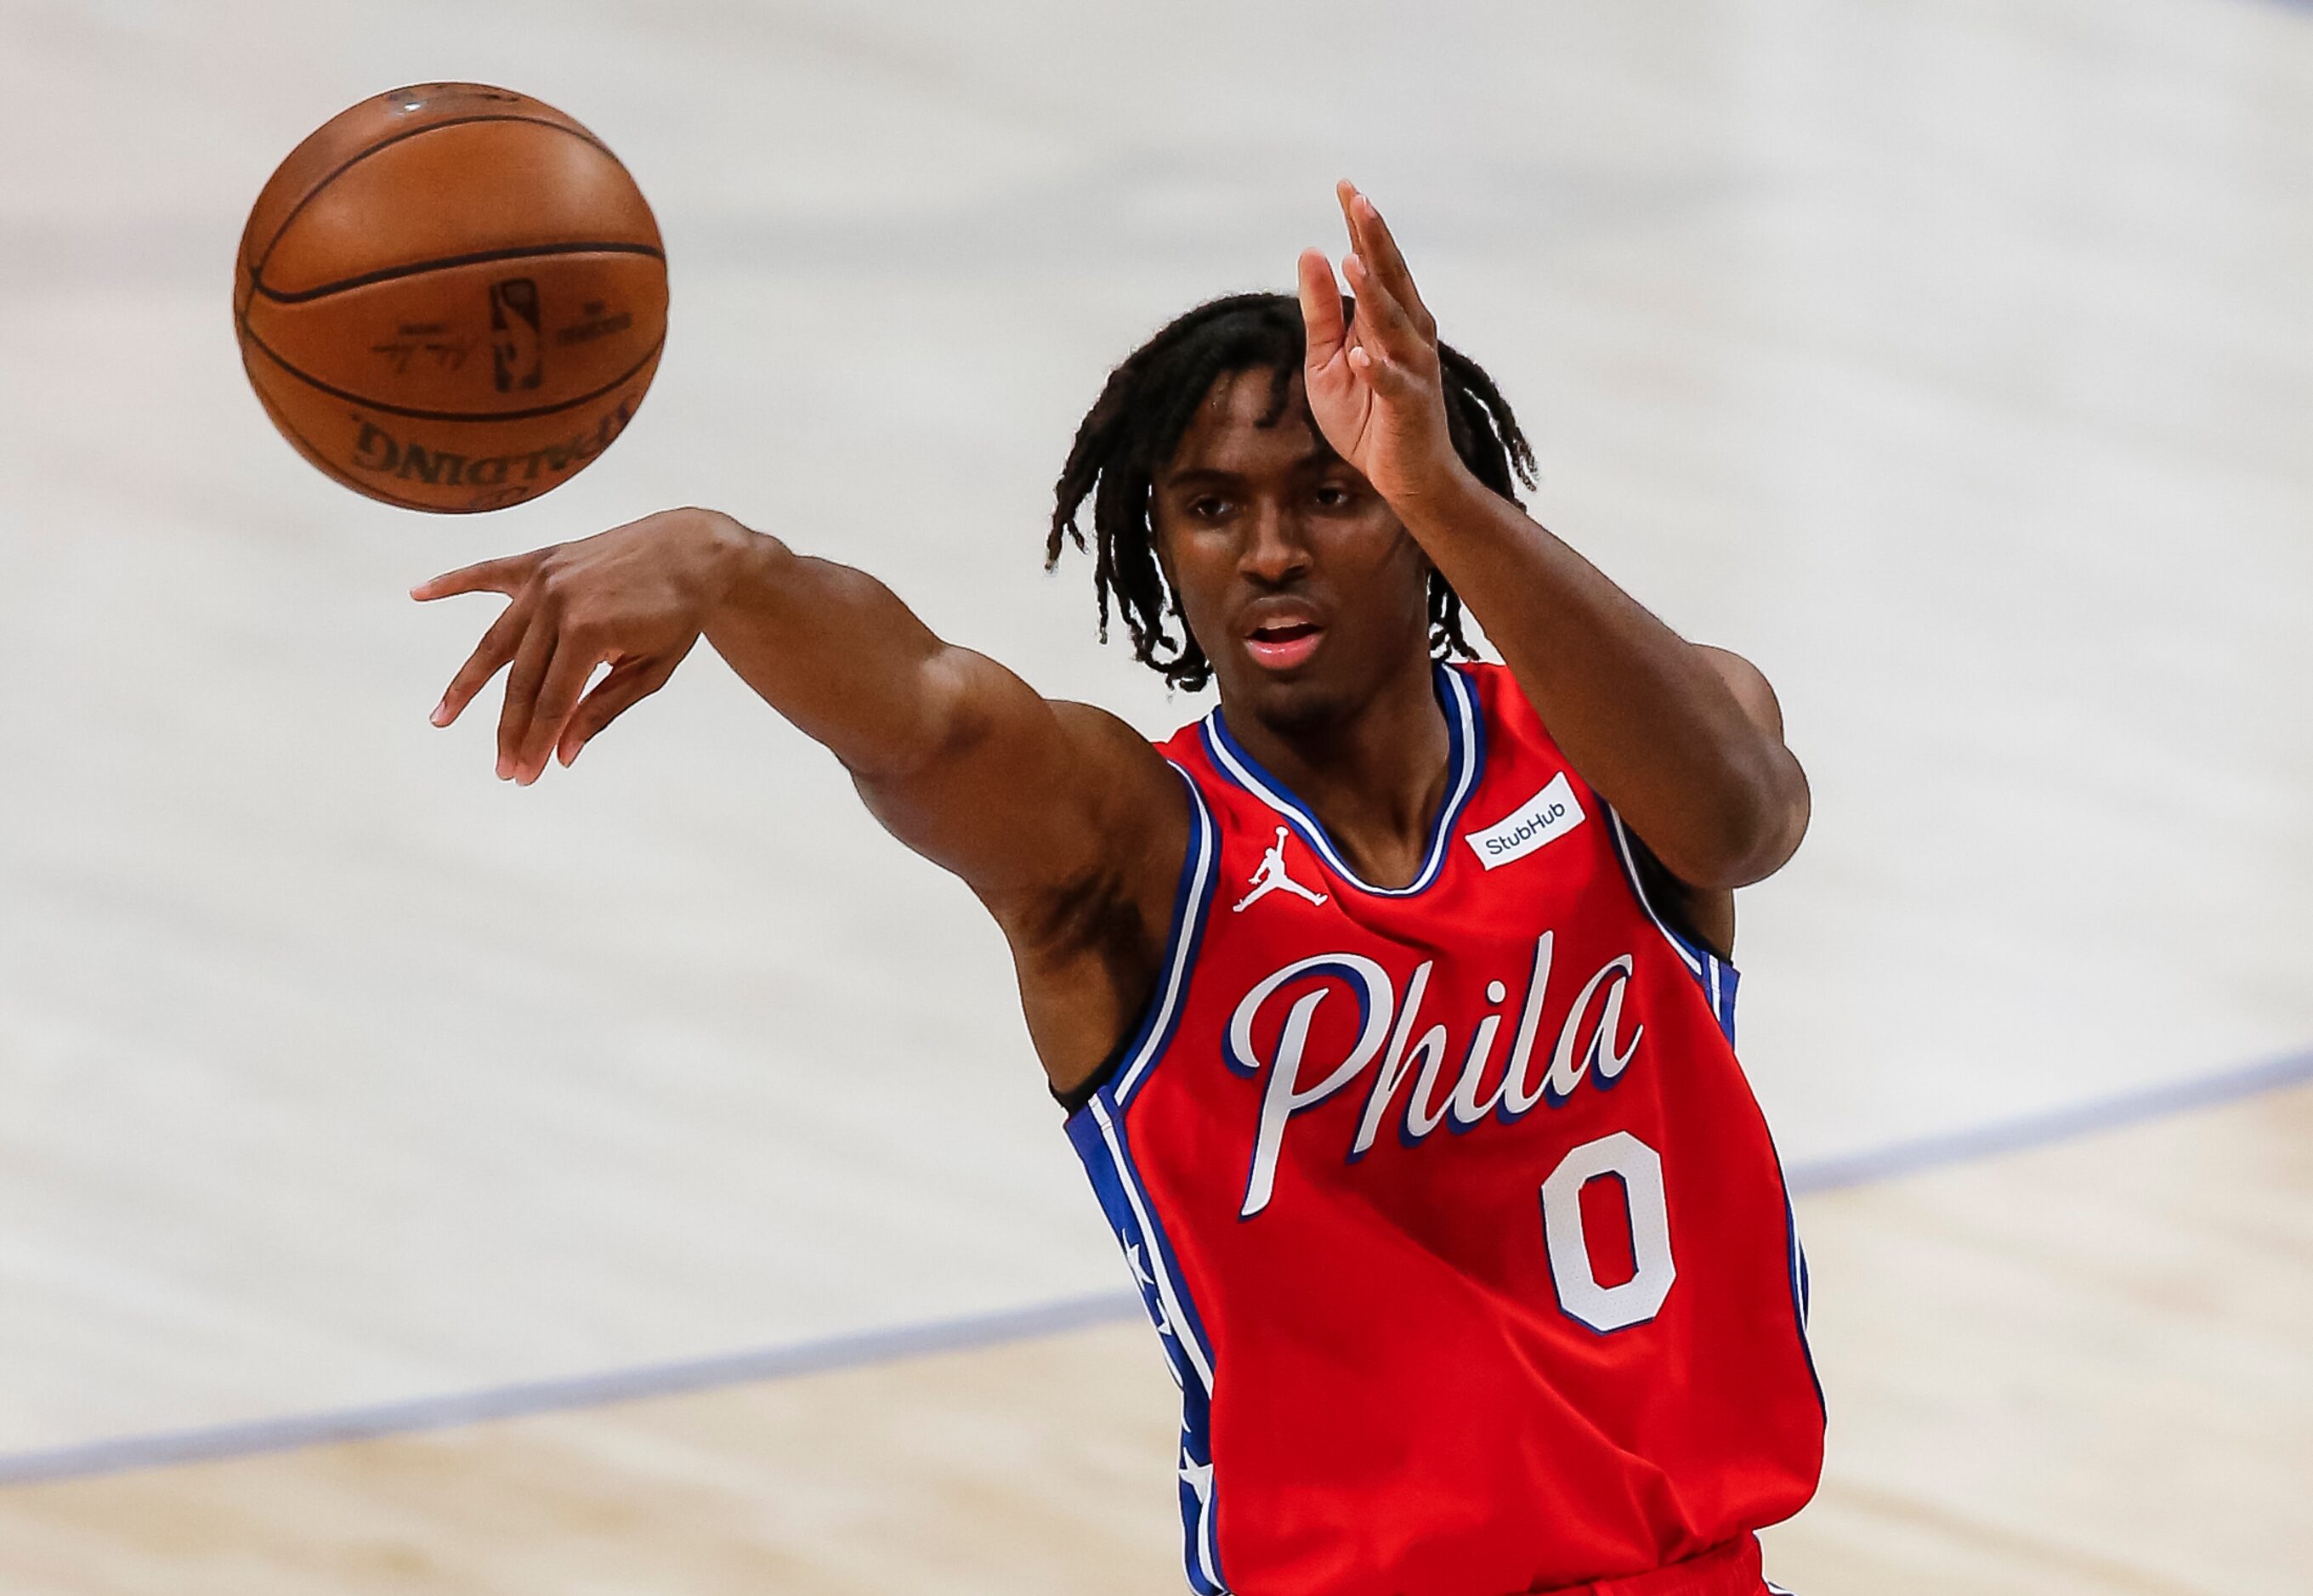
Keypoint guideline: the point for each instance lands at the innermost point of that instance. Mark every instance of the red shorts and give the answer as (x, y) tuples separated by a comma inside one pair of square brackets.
[(1728, 1569)]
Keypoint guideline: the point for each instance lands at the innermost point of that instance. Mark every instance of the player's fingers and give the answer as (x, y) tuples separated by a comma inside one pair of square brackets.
[(531, 662), (628, 684), (1323, 328), (557, 695), (1381, 319), (1388, 377), (507, 575), (489, 658), (1377, 248)]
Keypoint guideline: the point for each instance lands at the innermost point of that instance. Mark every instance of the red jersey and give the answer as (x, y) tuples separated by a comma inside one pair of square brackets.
[(1456, 1216)]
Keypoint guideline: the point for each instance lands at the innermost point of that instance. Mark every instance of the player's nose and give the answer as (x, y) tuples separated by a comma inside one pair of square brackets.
[(1276, 552)]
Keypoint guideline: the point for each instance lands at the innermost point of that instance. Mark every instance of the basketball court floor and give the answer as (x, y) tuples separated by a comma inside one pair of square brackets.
[(641, 1182)]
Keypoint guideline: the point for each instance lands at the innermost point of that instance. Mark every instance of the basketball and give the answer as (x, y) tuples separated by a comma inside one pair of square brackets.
[(451, 298)]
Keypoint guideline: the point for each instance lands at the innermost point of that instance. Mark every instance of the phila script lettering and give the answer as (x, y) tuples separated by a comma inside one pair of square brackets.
[(1588, 1044)]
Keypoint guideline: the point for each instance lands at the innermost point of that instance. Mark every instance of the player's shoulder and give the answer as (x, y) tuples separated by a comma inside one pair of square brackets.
[(1090, 724), (1135, 772), (1505, 713), (1185, 745)]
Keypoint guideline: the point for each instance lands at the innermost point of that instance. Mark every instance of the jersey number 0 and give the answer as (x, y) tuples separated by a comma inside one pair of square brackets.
[(1637, 1300)]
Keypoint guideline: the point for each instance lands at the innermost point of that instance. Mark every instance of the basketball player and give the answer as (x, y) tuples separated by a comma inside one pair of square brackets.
[(1391, 1000)]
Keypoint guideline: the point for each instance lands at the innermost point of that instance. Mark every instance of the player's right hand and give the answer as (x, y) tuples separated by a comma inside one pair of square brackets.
[(633, 598)]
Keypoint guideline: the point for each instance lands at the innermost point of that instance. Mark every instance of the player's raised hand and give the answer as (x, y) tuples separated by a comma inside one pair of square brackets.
[(634, 599), (1374, 384)]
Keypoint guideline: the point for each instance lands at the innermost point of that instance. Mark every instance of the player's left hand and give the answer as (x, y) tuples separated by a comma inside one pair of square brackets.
[(1374, 384)]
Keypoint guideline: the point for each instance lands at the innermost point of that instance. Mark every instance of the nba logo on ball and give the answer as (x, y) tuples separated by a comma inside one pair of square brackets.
[(514, 334)]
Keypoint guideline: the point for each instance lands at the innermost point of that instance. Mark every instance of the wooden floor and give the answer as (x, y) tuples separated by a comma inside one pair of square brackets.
[(1951, 358), (2073, 1371)]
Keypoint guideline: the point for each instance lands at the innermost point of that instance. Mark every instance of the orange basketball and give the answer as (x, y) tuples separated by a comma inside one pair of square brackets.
[(452, 297)]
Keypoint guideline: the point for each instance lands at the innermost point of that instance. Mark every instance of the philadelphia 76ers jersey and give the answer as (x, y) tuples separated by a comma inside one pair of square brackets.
[(1457, 1221)]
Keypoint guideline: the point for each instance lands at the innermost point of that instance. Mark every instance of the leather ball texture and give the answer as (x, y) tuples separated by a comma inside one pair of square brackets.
[(451, 298)]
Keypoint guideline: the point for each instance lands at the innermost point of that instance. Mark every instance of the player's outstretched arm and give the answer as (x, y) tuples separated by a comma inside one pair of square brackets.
[(1067, 825), (1685, 742)]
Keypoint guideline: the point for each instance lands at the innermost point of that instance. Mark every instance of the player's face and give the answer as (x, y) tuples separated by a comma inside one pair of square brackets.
[(1296, 577)]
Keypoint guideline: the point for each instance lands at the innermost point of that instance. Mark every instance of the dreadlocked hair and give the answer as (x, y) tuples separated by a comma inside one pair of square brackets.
[(1132, 430)]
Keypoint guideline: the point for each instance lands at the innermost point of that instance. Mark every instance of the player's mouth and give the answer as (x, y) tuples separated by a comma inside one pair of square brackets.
[(1284, 639)]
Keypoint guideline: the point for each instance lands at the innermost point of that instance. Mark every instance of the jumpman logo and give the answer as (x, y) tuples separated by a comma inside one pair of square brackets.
[(1272, 878)]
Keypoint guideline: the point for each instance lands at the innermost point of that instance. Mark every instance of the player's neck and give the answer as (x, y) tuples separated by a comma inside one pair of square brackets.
[(1375, 777)]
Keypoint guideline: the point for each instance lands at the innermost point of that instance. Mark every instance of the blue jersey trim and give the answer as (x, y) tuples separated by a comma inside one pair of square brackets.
[(1796, 1258), (1099, 1137), (1715, 977), (1465, 738), (1199, 871), (1098, 1133)]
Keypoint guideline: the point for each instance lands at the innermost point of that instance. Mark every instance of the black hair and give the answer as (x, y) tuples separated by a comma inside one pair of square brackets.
[(1138, 422)]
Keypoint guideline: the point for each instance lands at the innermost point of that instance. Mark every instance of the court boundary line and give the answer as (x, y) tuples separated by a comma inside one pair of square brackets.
[(1916, 1156), (828, 1355), (528, 1398)]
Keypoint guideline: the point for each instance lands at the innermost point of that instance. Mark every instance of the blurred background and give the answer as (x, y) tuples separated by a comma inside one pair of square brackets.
[(1952, 360)]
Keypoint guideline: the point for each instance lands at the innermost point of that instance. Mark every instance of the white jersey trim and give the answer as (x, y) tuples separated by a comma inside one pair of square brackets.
[(1194, 899), (1465, 737)]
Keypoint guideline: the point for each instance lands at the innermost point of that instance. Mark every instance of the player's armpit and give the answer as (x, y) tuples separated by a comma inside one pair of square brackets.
[(1068, 826)]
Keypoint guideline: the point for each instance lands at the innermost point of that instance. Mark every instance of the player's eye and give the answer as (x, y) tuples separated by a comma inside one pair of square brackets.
[(1335, 496), (1207, 507)]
